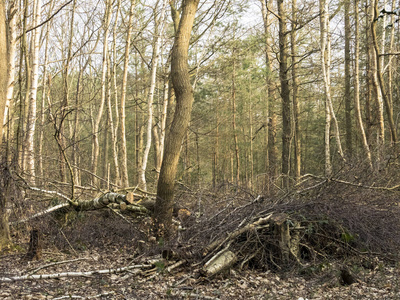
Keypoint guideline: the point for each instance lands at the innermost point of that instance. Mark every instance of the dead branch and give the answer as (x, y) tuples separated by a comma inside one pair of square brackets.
[(379, 188), (72, 274), (218, 243)]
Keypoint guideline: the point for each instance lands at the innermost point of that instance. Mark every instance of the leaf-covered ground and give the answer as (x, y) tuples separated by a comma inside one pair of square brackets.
[(381, 281)]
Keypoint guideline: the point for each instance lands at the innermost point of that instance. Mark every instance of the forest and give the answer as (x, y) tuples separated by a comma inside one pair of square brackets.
[(196, 149)]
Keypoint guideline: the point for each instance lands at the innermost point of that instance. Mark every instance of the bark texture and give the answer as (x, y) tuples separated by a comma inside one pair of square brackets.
[(4, 229), (184, 100)]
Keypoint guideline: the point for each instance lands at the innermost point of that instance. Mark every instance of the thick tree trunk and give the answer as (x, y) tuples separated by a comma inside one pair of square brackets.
[(184, 100)]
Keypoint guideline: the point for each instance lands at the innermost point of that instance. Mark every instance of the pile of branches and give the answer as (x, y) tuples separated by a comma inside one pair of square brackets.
[(334, 219)]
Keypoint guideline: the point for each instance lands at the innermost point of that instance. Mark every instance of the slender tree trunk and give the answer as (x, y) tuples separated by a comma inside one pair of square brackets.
[(31, 121), (96, 125), (325, 70), (347, 78), (122, 112), (114, 124), (295, 87), (184, 100), (369, 75), (12, 48), (45, 91), (159, 29), (4, 229), (378, 58), (285, 93), (357, 105), (377, 90), (234, 129)]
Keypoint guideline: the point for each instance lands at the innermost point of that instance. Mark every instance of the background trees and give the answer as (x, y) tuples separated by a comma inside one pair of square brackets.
[(88, 106)]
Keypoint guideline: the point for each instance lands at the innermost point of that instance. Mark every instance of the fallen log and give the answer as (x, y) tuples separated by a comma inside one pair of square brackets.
[(72, 274), (223, 260)]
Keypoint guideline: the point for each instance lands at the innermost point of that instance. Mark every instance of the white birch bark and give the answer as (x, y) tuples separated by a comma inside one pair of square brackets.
[(124, 159), (114, 125), (31, 121), (12, 46), (325, 63), (96, 124), (357, 106), (159, 29)]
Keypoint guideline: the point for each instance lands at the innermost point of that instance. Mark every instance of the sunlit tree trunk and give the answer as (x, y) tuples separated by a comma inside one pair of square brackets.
[(159, 29), (326, 63), (122, 112), (377, 90), (113, 86), (4, 227), (12, 48), (96, 124), (45, 92), (31, 121), (184, 100), (378, 58), (357, 105)]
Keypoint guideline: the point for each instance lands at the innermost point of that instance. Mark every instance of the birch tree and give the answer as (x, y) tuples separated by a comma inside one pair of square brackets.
[(357, 105), (31, 120), (4, 229), (96, 123), (326, 64), (122, 111), (159, 29)]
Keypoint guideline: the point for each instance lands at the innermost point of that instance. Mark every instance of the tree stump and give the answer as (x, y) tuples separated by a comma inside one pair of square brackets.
[(35, 246)]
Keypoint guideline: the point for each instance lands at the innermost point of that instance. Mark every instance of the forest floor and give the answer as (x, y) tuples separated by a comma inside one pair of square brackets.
[(380, 282)]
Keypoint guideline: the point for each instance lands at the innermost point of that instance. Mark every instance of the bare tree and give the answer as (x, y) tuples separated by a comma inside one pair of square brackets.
[(32, 111), (184, 100), (357, 105), (159, 29), (122, 112)]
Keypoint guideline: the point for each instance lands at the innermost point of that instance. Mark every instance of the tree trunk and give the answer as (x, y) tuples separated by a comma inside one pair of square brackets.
[(357, 105), (122, 113), (285, 93), (159, 29), (378, 93), (31, 121), (325, 70), (4, 229), (378, 58), (234, 129), (347, 78), (184, 100), (295, 85), (96, 125)]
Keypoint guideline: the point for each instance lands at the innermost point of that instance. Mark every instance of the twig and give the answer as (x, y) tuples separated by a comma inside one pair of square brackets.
[(54, 264)]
